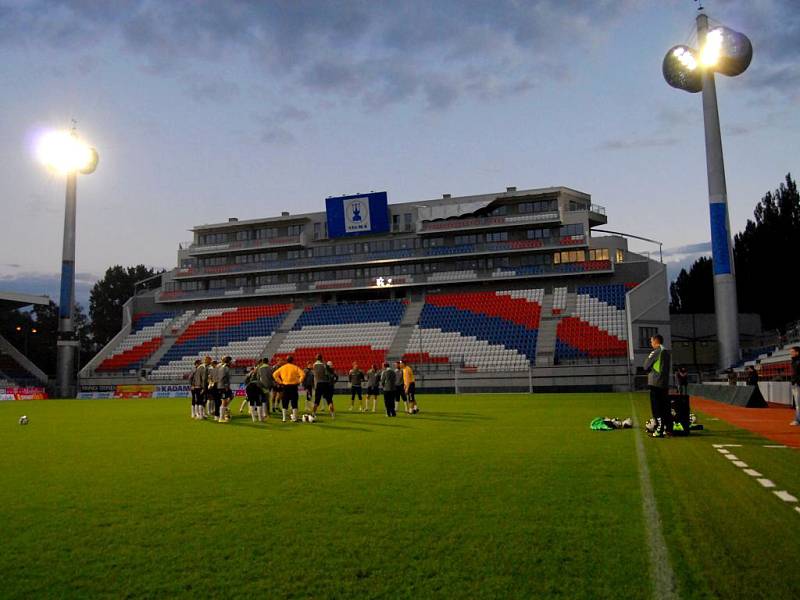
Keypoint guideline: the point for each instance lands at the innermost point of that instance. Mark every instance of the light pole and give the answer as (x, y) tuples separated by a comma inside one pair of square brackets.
[(728, 52), (66, 154)]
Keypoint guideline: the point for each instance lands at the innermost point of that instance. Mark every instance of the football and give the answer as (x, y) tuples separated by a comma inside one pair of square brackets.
[(23, 420)]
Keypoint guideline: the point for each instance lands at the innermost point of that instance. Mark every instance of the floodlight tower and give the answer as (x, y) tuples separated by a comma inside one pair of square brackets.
[(65, 153), (728, 52)]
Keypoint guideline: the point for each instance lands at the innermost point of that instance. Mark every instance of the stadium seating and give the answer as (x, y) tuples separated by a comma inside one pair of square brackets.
[(241, 333), (452, 276), (344, 333), (598, 326), (11, 369), (144, 338), (482, 330)]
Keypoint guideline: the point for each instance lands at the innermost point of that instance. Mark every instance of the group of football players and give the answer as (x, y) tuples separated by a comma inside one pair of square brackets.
[(272, 386)]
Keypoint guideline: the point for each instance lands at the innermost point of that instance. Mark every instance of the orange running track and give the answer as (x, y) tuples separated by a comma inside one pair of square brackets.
[(772, 422)]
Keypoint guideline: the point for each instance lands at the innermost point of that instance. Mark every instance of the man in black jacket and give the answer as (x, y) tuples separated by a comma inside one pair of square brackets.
[(658, 367), (795, 354)]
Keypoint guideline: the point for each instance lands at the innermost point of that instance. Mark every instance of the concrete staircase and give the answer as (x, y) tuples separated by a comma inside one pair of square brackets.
[(406, 329), (170, 337), (546, 340), (283, 330)]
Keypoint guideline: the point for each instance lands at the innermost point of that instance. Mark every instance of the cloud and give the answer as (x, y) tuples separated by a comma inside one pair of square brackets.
[(635, 143), (698, 248), (773, 26), (374, 52), (682, 257), (217, 91), (49, 284)]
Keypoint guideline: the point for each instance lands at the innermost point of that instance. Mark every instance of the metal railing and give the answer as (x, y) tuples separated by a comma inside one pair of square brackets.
[(389, 255), (402, 280)]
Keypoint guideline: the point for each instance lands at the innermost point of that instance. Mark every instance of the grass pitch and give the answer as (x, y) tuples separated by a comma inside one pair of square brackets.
[(490, 496)]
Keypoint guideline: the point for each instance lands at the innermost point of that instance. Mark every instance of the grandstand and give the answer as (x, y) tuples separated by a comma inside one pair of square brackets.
[(501, 291), (16, 370)]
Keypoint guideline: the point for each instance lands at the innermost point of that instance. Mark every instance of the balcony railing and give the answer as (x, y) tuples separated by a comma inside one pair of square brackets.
[(480, 222), (274, 242), (388, 281), (388, 256)]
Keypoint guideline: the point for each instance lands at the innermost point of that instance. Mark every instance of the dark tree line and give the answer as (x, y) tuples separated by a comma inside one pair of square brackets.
[(764, 255), (38, 328)]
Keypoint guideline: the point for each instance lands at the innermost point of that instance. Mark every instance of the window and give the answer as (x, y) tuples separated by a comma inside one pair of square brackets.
[(395, 222), (460, 240), (599, 254), (317, 230), (572, 256), (573, 205), (645, 333), (243, 236), (210, 239), (213, 261), (620, 255), (190, 286), (499, 211), (497, 236), (538, 206), (572, 229), (295, 230), (408, 222)]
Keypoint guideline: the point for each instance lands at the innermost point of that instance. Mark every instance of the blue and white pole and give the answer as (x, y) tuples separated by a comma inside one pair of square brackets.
[(67, 344), (64, 153), (725, 302)]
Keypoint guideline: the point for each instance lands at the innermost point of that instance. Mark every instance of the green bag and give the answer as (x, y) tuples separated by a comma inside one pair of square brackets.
[(599, 424)]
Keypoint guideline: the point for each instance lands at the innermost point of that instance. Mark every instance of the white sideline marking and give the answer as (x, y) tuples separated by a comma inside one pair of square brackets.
[(740, 463), (731, 456), (766, 483), (785, 496), (774, 446), (752, 472), (727, 445), (723, 451), (661, 573)]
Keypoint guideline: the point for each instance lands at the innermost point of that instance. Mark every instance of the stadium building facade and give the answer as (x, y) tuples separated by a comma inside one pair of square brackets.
[(511, 290)]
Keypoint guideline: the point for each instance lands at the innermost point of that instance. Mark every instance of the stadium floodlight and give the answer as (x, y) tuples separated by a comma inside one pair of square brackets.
[(722, 50), (66, 154)]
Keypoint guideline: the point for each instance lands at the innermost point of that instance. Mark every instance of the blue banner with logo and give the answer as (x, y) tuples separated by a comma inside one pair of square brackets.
[(357, 215)]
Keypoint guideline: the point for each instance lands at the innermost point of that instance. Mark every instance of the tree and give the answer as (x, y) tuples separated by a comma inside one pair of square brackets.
[(693, 291), (109, 295), (763, 254)]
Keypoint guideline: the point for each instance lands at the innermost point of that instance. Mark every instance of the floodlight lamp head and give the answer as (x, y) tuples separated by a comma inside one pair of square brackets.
[(681, 69), (733, 51), (65, 153)]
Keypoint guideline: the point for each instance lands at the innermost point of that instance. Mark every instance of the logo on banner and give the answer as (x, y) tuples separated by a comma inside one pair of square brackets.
[(356, 215)]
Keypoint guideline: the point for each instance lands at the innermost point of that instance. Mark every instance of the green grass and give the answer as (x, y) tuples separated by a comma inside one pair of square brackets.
[(489, 496)]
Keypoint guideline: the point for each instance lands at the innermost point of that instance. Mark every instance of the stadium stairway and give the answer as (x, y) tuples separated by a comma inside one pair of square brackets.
[(171, 333), (282, 331), (406, 329), (546, 342)]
